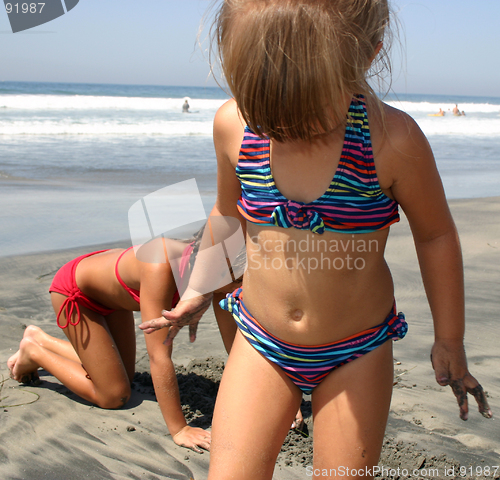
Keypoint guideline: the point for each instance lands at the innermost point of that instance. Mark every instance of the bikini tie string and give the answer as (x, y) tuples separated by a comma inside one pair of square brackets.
[(397, 326), (70, 305), (296, 214), (230, 303)]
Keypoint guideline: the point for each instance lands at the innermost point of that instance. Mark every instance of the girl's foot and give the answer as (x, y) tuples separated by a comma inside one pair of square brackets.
[(22, 367), (12, 361), (298, 423)]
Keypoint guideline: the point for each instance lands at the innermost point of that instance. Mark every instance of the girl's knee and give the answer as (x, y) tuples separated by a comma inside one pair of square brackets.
[(114, 400)]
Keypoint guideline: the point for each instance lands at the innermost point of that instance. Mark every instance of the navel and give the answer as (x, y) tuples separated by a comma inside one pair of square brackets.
[(297, 315)]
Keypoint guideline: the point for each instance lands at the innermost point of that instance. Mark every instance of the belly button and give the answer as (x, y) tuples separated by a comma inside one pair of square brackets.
[(297, 315)]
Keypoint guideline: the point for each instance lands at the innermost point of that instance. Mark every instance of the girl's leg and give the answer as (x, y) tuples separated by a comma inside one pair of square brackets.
[(98, 374), (55, 345), (227, 329), (255, 407), (46, 341), (225, 322), (122, 329), (350, 410), (107, 377)]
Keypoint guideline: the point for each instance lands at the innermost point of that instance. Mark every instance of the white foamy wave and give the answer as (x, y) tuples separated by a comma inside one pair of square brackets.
[(448, 125), (88, 102), (462, 126), (105, 128), (430, 107)]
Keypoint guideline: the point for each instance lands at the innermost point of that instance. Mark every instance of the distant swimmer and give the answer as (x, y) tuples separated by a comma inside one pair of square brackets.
[(456, 111), (441, 113), (185, 107)]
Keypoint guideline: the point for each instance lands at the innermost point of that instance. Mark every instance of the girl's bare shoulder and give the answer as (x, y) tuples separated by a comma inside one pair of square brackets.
[(398, 134), (228, 119), (400, 149), (228, 132)]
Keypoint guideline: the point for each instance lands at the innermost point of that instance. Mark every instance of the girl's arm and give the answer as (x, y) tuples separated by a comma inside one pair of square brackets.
[(417, 187), (228, 135), (157, 290)]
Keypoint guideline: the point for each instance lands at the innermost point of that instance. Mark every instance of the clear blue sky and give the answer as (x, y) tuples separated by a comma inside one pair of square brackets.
[(452, 46)]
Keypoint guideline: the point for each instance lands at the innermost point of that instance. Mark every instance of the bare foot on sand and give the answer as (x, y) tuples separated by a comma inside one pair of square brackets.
[(298, 423), (36, 334), (12, 361), (22, 367)]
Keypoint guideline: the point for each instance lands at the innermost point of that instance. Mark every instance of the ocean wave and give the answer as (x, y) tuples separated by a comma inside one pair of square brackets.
[(460, 126), (467, 126), (108, 128), (88, 102), (433, 107)]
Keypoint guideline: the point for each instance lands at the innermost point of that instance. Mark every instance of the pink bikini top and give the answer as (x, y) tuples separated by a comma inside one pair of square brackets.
[(136, 294)]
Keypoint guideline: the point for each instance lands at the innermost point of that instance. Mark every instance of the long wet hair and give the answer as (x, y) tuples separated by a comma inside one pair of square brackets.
[(292, 64)]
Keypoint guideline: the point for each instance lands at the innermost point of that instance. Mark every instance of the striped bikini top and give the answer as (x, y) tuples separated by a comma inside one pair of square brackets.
[(353, 203)]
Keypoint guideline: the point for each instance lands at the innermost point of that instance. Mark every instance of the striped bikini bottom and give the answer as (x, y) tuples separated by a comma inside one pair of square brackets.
[(308, 365)]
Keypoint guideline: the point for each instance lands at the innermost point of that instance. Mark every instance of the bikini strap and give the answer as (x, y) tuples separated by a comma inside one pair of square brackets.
[(122, 283), (133, 293)]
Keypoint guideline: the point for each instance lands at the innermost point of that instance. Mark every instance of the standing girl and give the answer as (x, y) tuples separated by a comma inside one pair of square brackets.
[(321, 167)]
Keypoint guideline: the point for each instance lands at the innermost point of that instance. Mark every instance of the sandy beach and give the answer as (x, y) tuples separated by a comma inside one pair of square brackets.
[(48, 432)]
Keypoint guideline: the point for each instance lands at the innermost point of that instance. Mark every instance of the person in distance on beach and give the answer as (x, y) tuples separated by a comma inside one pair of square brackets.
[(306, 151), (94, 297), (441, 113), (457, 112)]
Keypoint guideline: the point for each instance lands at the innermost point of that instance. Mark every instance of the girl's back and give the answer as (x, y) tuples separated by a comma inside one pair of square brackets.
[(96, 276)]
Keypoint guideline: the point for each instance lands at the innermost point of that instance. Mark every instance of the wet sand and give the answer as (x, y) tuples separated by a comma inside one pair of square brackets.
[(48, 432)]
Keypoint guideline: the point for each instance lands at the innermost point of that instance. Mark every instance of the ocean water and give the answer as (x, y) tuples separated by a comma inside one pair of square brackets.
[(75, 157), (466, 148)]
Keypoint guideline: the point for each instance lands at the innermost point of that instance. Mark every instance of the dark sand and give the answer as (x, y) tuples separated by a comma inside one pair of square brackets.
[(48, 432)]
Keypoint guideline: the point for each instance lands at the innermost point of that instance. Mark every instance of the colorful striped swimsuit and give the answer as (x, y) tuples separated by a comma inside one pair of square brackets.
[(308, 365), (353, 203)]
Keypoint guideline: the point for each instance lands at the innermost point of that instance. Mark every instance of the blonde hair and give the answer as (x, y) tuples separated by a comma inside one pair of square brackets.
[(291, 64)]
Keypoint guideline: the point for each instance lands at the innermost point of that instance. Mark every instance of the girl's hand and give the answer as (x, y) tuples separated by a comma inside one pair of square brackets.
[(193, 438), (450, 366), (186, 312)]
